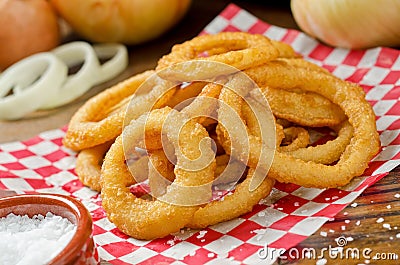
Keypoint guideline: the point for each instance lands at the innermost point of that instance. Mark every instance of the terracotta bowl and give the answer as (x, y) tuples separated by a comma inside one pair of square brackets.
[(80, 250)]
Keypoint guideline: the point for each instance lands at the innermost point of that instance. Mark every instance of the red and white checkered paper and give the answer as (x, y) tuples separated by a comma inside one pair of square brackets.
[(288, 216)]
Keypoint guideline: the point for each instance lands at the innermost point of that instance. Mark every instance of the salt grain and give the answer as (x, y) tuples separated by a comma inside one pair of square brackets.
[(389, 207), (387, 226), (324, 234), (34, 240), (202, 233), (380, 220), (347, 221), (358, 222), (397, 195), (354, 204), (210, 255), (398, 235), (321, 262)]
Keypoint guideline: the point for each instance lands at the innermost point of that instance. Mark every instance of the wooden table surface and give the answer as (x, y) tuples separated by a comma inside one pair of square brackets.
[(359, 223)]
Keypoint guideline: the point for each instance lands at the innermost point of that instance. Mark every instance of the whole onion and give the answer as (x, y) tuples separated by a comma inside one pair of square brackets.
[(355, 24), (124, 21), (26, 27)]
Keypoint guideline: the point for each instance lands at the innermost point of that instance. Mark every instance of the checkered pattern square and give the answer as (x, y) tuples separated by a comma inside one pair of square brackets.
[(286, 217)]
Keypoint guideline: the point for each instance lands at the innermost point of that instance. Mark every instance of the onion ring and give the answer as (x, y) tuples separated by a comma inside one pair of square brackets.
[(296, 137), (351, 98), (241, 201), (238, 49), (161, 173), (302, 107), (328, 152), (285, 50), (88, 165), (97, 122), (185, 92), (153, 219)]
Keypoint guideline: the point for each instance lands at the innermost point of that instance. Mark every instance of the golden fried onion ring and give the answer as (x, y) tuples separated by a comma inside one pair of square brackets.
[(295, 138), (99, 121), (328, 152), (237, 49), (351, 98), (144, 219), (241, 201), (88, 165)]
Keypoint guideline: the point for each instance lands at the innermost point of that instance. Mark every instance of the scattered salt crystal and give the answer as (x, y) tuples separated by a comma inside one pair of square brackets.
[(210, 255), (296, 204), (203, 240), (387, 226), (321, 262), (324, 234), (354, 204), (389, 207), (335, 197), (380, 220), (391, 238), (349, 239), (367, 261), (201, 233), (395, 228), (397, 195), (372, 201), (398, 235), (343, 227), (327, 199), (34, 240), (280, 209), (347, 221), (358, 222), (345, 213), (331, 231), (259, 231), (171, 242)]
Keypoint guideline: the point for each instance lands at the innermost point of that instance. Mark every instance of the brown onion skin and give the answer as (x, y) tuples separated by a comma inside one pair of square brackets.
[(124, 21), (26, 27)]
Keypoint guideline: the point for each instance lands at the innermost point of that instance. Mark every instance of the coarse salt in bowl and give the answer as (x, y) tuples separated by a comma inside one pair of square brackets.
[(45, 229)]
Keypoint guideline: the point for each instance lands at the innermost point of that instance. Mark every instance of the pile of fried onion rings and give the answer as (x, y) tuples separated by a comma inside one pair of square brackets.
[(209, 131)]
